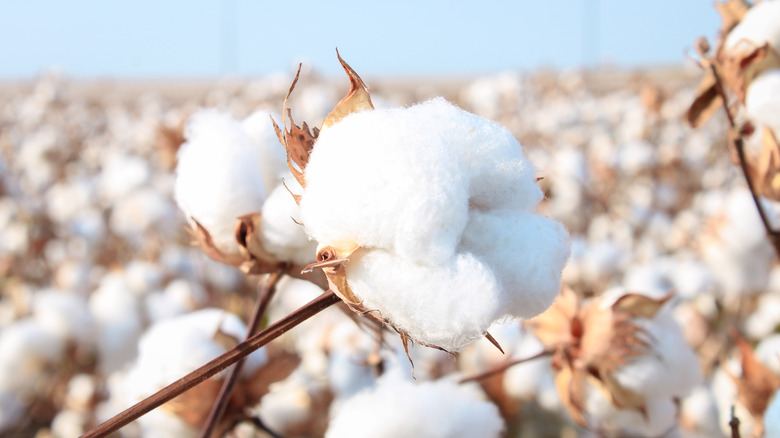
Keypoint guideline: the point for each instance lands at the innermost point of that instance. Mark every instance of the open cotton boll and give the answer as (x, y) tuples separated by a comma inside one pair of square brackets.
[(114, 310), (440, 202), (762, 100), (397, 408), (219, 176), (758, 26), (659, 418)]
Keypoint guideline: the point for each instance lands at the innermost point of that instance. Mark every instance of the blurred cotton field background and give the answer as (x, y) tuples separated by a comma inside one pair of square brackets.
[(104, 298)]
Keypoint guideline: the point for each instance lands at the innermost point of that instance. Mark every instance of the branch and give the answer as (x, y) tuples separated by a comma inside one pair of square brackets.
[(268, 288), (739, 146), (503, 366), (232, 356), (734, 424)]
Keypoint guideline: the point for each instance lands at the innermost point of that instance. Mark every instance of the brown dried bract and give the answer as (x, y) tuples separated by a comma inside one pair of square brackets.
[(298, 141), (756, 385), (203, 239), (591, 341), (358, 99), (741, 65), (731, 13)]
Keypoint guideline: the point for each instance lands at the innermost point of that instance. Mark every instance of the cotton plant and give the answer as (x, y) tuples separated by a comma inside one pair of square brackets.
[(619, 360), (424, 217)]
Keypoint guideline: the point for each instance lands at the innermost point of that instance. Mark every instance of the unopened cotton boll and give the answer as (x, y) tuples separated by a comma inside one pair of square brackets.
[(440, 201), (397, 407), (219, 176)]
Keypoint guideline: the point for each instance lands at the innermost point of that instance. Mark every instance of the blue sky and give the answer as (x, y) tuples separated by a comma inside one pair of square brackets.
[(199, 38)]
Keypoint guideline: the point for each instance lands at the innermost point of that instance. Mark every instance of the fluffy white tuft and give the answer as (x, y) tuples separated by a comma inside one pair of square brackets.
[(440, 201), (397, 407), (758, 26), (218, 177)]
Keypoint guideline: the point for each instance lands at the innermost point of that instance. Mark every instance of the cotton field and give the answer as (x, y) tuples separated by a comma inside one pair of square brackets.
[(535, 254)]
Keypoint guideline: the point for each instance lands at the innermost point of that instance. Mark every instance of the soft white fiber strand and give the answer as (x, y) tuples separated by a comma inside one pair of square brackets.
[(440, 202), (399, 408)]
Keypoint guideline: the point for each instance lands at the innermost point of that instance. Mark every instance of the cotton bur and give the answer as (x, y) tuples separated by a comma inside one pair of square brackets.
[(424, 217)]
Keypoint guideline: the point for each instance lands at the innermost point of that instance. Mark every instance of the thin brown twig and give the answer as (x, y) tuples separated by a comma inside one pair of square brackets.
[(267, 290), (232, 356), (503, 366), (739, 146), (734, 424)]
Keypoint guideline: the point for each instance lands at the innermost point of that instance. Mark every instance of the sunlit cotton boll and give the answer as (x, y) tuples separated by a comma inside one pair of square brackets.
[(441, 203), (758, 26), (763, 100), (397, 407), (219, 176)]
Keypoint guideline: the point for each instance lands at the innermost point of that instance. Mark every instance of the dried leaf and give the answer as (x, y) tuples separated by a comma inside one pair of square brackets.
[(570, 388), (358, 98), (553, 327), (494, 342), (620, 396), (640, 305), (707, 101), (757, 384), (766, 172)]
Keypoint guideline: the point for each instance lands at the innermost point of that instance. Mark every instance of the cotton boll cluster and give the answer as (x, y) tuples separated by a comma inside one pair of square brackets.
[(440, 202), (399, 407)]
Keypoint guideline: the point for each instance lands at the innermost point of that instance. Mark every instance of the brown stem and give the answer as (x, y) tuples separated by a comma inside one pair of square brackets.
[(739, 146), (230, 357), (734, 424), (267, 290), (503, 366)]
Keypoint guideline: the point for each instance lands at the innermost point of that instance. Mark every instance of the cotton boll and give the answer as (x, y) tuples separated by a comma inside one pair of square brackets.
[(118, 325), (142, 276), (765, 319), (762, 100), (281, 235), (68, 423), (219, 176), (758, 26), (524, 381), (399, 408), (672, 370), (460, 299), (25, 350), (122, 174), (65, 315), (698, 414), (172, 348), (525, 251), (660, 416), (139, 212)]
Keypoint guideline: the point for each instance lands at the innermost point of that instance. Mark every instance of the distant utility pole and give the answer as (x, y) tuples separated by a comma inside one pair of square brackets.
[(228, 48)]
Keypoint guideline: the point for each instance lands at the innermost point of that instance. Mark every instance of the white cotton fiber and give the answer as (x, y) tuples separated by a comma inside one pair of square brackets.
[(440, 202), (762, 100), (219, 175), (758, 26), (400, 408), (409, 294), (273, 163), (281, 235)]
